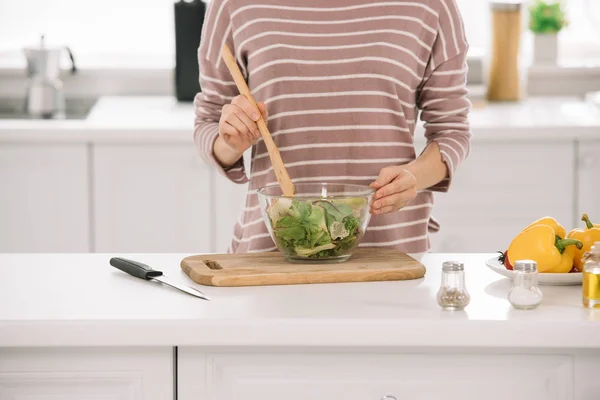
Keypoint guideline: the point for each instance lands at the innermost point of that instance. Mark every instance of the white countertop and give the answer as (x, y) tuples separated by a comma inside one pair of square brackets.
[(80, 300), (163, 119)]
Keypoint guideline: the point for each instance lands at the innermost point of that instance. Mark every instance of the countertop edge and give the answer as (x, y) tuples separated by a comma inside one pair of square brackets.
[(161, 119), (309, 333), (124, 135)]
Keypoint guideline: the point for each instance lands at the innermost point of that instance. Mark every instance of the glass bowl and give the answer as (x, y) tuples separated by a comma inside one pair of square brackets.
[(322, 222)]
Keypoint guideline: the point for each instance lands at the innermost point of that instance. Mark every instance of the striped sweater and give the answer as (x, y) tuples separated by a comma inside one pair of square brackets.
[(344, 82)]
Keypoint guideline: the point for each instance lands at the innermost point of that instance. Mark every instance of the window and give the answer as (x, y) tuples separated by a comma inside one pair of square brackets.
[(578, 43), (139, 33), (581, 39)]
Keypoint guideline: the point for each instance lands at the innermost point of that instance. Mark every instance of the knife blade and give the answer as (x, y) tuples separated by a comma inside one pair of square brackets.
[(143, 271)]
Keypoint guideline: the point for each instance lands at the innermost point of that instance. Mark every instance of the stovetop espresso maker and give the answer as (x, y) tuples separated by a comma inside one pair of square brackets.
[(45, 94)]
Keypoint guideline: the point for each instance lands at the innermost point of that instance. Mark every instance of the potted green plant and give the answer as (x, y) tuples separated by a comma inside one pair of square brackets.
[(546, 20)]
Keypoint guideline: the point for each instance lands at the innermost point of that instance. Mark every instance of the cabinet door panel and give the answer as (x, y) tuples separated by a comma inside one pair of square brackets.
[(44, 201), (152, 198), (589, 181), (83, 373), (359, 377), (228, 207), (501, 188)]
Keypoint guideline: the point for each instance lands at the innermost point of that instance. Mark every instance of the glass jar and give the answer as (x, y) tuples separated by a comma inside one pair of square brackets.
[(505, 61), (525, 294), (453, 293), (591, 277)]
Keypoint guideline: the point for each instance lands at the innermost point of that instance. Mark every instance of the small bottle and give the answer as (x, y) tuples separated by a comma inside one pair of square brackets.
[(591, 277), (525, 294), (453, 293)]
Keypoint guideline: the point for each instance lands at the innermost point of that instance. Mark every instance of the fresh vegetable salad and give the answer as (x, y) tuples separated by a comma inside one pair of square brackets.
[(318, 228)]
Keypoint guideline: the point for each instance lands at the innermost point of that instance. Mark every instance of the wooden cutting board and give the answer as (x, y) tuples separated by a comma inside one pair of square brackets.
[(260, 269)]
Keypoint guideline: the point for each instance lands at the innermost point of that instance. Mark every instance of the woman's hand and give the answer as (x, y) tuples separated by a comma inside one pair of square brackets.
[(395, 188), (237, 125)]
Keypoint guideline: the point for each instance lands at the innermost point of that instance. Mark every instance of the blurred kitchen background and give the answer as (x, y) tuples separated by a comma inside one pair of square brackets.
[(113, 168)]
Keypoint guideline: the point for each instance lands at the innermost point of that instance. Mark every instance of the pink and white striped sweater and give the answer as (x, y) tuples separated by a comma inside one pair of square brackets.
[(344, 82)]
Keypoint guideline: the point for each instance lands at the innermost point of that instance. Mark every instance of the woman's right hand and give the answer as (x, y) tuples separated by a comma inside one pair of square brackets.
[(237, 125)]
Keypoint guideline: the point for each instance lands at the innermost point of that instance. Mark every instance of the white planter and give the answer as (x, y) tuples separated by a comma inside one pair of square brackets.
[(545, 49)]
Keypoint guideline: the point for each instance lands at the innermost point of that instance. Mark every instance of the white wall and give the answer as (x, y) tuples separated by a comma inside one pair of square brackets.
[(140, 32), (115, 31)]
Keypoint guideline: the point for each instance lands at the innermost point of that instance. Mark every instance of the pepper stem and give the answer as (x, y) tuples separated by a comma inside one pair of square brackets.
[(586, 219), (561, 244)]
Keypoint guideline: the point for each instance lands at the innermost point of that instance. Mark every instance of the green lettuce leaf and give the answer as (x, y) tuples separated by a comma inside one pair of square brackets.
[(320, 229)]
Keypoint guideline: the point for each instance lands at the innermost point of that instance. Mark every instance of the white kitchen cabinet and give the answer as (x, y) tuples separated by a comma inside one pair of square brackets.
[(588, 184), (153, 198), (229, 204), (230, 201), (86, 373), (294, 376), (500, 189), (44, 203)]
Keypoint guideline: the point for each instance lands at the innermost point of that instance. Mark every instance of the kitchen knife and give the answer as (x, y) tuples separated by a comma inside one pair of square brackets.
[(143, 271)]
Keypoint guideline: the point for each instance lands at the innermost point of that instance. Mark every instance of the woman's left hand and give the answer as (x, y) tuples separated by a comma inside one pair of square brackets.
[(395, 187)]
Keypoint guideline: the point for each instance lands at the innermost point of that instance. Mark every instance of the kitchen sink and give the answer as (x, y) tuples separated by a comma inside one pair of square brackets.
[(76, 109)]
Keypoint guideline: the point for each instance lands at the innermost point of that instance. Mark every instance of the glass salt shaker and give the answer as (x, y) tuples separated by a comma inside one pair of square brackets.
[(453, 294), (525, 294)]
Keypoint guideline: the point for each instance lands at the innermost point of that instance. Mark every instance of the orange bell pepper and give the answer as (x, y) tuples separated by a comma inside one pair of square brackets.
[(588, 235)]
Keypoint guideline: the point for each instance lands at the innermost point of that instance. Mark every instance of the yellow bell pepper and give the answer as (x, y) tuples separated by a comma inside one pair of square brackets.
[(588, 235), (551, 222), (541, 244)]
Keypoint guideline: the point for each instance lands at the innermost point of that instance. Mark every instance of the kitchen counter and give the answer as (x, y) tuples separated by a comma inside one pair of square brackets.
[(162, 119), (80, 300), (72, 326)]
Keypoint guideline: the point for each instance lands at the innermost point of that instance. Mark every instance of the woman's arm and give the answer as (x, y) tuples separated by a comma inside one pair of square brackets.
[(442, 99), (429, 168), (217, 91)]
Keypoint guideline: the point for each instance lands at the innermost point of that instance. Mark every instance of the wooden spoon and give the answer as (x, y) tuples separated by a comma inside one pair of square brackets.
[(280, 171)]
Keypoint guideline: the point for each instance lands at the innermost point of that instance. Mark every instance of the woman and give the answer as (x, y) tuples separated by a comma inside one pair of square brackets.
[(340, 83)]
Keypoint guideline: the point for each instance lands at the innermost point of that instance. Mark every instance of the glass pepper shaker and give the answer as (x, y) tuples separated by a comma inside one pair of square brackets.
[(525, 294), (453, 294)]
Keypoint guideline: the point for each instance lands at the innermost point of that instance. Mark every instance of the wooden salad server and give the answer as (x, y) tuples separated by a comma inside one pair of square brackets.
[(280, 171)]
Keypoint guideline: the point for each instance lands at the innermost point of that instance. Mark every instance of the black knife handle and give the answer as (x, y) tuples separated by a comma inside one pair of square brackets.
[(134, 268)]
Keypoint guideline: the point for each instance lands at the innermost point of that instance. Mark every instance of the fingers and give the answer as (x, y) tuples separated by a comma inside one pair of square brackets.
[(227, 129), (251, 129), (396, 194), (236, 117), (243, 103), (238, 122), (386, 175), (394, 202), (263, 109), (233, 139), (389, 209), (401, 182)]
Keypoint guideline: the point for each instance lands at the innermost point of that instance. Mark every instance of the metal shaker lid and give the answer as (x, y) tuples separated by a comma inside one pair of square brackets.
[(506, 5), (525, 266)]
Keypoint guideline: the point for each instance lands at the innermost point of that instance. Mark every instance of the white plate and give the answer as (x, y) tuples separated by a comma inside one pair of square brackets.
[(573, 278)]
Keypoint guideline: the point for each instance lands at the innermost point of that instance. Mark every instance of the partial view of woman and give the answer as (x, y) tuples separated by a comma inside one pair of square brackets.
[(341, 84)]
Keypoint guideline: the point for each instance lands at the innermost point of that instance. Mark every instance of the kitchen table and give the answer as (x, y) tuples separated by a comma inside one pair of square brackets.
[(72, 326)]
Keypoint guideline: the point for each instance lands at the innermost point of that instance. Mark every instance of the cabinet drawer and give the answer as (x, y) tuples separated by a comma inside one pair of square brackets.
[(86, 373), (365, 377)]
